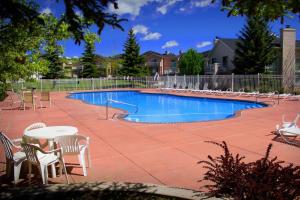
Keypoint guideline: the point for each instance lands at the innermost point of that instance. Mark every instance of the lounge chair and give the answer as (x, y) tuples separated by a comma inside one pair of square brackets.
[(288, 132), (287, 124)]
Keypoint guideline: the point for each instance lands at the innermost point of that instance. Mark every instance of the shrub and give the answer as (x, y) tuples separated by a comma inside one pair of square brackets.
[(2, 91), (263, 179)]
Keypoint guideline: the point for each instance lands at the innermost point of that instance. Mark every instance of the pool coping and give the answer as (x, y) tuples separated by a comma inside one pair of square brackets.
[(121, 116)]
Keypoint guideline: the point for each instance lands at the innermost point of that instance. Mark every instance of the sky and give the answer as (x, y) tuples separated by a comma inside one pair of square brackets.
[(165, 25)]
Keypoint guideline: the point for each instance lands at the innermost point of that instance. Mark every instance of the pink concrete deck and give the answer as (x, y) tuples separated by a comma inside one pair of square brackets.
[(164, 154)]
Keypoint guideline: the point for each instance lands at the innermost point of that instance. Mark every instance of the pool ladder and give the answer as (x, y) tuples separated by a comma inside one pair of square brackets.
[(120, 102)]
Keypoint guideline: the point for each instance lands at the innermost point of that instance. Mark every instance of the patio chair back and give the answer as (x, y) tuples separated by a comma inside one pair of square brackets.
[(28, 97), (35, 126), (7, 144), (31, 153), (32, 140), (70, 143), (45, 96)]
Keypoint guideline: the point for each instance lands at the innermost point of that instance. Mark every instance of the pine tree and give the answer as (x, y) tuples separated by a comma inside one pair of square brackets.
[(90, 69), (255, 49), (55, 69), (132, 60)]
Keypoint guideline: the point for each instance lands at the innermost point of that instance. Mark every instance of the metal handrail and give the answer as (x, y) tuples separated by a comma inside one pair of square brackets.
[(120, 102)]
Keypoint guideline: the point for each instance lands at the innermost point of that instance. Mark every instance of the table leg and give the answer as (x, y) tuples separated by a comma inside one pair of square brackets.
[(51, 147)]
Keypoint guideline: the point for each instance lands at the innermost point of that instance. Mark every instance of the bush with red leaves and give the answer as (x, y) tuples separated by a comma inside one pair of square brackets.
[(263, 179)]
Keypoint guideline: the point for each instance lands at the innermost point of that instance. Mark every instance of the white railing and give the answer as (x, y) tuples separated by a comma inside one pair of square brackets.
[(259, 82)]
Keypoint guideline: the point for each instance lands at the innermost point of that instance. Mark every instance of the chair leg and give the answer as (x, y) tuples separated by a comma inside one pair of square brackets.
[(82, 153), (89, 156), (66, 173), (79, 158), (8, 168), (29, 171), (17, 169), (42, 170), (46, 174)]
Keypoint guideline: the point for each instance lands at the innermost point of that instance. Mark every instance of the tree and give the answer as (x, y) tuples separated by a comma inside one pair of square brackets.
[(132, 60), (93, 12), (267, 9), (255, 49), (89, 58), (52, 33), (191, 63)]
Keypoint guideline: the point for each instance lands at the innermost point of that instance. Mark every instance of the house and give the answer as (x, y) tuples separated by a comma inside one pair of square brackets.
[(220, 59), (163, 64)]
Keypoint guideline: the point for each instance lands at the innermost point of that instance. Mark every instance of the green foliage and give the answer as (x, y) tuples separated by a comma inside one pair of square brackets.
[(93, 12), (2, 91), (20, 51), (132, 60), (263, 179), (191, 63), (268, 9), (90, 69), (255, 49), (52, 33)]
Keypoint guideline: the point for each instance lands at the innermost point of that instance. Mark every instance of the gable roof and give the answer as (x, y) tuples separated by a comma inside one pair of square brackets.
[(152, 52), (231, 42)]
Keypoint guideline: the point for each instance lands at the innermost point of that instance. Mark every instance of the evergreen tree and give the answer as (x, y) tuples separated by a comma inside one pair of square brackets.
[(55, 69), (132, 60), (254, 50), (191, 63), (90, 69)]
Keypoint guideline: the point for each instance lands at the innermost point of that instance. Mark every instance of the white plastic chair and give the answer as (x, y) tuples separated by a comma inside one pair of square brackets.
[(42, 159), (292, 131), (287, 124), (71, 145), (15, 159), (32, 140)]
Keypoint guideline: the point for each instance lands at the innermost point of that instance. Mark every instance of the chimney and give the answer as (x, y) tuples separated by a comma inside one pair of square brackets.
[(216, 40), (288, 45)]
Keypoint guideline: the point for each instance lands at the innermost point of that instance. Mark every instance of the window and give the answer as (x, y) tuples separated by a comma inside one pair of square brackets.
[(225, 61), (213, 60)]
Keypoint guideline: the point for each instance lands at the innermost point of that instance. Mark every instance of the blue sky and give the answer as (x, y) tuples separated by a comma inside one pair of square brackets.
[(166, 25)]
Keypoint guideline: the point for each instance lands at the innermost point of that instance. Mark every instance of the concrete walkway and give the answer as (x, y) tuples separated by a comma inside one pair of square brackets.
[(164, 154)]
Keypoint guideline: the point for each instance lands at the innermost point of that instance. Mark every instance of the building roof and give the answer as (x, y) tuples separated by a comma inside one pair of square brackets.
[(231, 43), (152, 52)]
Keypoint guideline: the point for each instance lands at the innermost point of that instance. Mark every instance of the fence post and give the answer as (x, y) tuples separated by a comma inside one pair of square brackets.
[(76, 83), (59, 85), (93, 87), (232, 82), (258, 82), (41, 85)]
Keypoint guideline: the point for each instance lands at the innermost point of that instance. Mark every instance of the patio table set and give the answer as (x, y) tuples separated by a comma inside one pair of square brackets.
[(60, 140)]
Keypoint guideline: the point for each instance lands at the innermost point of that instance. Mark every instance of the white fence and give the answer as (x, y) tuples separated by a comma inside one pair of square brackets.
[(262, 83)]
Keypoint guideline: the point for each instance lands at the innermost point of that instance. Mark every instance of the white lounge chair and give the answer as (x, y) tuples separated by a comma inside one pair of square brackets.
[(292, 131), (71, 145), (12, 159), (287, 124), (42, 159)]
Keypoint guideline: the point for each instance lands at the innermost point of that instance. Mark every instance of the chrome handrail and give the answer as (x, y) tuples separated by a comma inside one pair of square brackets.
[(120, 102)]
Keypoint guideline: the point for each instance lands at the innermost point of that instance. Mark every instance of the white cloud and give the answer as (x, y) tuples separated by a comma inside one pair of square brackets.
[(46, 11), (164, 8), (201, 3), (131, 7), (170, 44), (140, 29), (204, 44), (182, 9), (144, 30), (152, 36)]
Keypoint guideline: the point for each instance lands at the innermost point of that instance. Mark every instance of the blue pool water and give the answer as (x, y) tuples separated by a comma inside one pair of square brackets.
[(165, 108)]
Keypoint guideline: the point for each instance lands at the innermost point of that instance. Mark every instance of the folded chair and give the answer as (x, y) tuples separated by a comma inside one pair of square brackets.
[(75, 145), (42, 159), (288, 132), (12, 159)]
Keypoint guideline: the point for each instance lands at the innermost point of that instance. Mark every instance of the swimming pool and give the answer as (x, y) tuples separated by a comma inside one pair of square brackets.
[(166, 108)]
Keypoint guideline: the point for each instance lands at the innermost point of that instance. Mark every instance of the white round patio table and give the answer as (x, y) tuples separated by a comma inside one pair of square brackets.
[(49, 133)]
